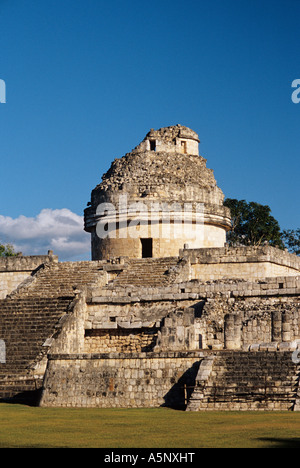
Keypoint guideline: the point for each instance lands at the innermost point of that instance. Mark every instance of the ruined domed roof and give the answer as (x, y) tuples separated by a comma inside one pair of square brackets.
[(160, 174), (173, 132), (164, 167)]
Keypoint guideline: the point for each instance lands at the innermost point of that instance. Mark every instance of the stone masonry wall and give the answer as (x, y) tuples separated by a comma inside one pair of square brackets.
[(134, 347), (263, 315), (192, 315), (241, 262), (120, 380), (267, 379), (152, 178), (15, 270), (124, 341)]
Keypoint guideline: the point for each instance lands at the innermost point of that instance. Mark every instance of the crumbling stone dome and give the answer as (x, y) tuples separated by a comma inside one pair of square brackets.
[(157, 199)]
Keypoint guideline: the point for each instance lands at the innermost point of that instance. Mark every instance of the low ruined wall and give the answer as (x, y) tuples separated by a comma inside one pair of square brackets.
[(9, 281), (253, 312), (197, 315), (15, 270), (247, 270), (121, 340), (120, 380), (241, 262)]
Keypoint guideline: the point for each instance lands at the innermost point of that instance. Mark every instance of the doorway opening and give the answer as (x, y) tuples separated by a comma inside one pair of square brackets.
[(152, 145), (184, 147), (147, 248)]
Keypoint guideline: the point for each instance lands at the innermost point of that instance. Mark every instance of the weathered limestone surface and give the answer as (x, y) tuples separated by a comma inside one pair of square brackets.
[(241, 262), (31, 318), (143, 347), (120, 380), (87, 308), (237, 381), (172, 176), (198, 325), (15, 270)]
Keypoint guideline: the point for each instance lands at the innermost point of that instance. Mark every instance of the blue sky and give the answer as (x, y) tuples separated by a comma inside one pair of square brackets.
[(87, 79)]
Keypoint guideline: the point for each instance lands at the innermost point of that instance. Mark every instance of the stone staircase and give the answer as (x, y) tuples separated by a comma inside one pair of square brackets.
[(29, 316), (59, 279), (243, 380), (146, 272)]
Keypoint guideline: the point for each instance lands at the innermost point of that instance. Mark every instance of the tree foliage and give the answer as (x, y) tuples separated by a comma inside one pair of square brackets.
[(291, 239), (252, 224), (7, 250)]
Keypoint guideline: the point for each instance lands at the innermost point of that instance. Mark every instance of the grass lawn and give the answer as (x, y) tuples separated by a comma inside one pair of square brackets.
[(23, 426)]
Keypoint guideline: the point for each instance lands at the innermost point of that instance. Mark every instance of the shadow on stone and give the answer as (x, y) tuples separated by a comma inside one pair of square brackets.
[(30, 398), (178, 396)]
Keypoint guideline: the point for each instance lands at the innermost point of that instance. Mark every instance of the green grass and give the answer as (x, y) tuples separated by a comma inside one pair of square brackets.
[(23, 426)]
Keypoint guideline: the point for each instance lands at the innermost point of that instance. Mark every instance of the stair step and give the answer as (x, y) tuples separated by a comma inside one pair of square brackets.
[(146, 272), (272, 384), (30, 315)]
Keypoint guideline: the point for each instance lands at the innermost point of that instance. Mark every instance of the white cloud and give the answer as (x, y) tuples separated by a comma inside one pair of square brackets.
[(58, 230)]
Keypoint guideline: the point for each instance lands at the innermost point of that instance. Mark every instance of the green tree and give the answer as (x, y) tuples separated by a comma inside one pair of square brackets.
[(252, 224), (291, 239), (7, 250)]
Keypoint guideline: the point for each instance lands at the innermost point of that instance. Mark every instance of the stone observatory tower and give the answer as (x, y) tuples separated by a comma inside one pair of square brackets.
[(156, 200)]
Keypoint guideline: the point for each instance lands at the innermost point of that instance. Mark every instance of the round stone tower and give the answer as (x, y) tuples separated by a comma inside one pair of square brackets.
[(157, 200)]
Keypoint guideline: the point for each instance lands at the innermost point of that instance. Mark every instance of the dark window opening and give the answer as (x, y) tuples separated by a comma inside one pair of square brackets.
[(152, 145), (200, 342), (147, 248)]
